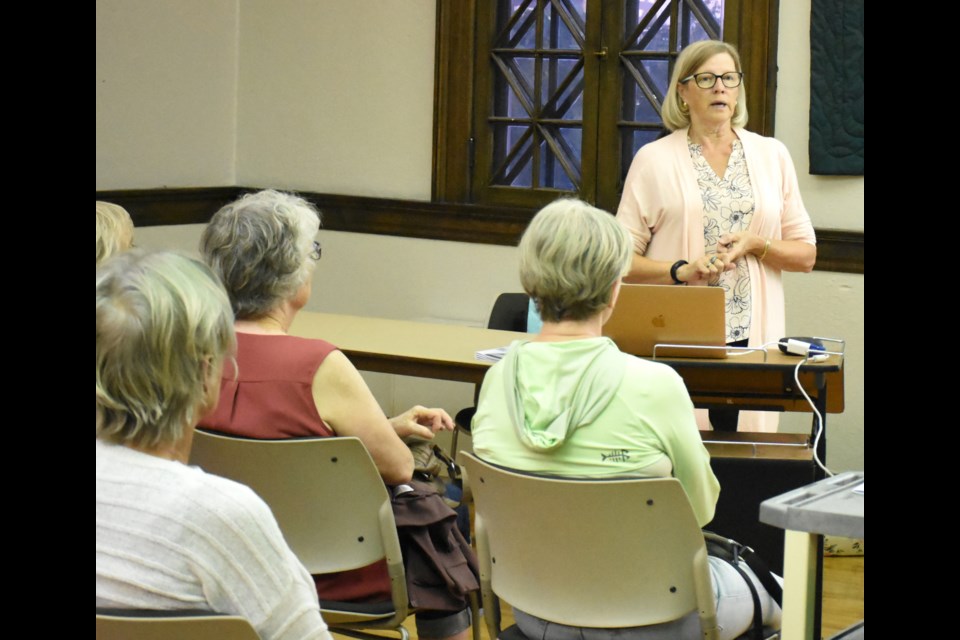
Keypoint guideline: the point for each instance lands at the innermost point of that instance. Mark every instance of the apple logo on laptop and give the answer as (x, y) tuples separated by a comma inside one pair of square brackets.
[(659, 321)]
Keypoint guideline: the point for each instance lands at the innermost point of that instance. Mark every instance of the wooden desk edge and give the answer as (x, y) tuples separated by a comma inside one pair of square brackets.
[(419, 368), (772, 446)]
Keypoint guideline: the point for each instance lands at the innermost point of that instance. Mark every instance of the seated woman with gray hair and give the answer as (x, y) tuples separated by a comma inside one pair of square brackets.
[(569, 403), (264, 248), (170, 536), (114, 230)]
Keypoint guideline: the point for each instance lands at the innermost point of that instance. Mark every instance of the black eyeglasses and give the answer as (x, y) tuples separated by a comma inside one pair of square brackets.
[(707, 80), (317, 250)]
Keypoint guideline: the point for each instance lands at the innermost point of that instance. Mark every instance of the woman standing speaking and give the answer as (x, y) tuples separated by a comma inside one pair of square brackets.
[(713, 204)]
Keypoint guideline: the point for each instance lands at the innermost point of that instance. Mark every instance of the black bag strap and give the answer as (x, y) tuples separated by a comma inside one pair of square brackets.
[(734, 553), (453, 470), (760, 568), (756, 630), (727, 548)]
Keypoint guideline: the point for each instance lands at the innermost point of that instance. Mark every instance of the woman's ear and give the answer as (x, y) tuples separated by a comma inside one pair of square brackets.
[(682, 94), (615, 293), (206, 366), (212, 373)]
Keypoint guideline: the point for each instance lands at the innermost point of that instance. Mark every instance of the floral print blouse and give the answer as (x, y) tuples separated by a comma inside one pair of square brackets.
[(727, 208)]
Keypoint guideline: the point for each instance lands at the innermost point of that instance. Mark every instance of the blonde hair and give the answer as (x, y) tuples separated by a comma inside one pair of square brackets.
[(164, 327), (571, 255), (691, 58), (114, 230), (260, 248)]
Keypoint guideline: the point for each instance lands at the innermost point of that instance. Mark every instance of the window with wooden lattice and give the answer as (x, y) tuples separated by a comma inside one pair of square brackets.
[(540, 98)]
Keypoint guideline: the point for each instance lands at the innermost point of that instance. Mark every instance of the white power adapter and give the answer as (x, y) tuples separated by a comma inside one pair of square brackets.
[(799, 347)]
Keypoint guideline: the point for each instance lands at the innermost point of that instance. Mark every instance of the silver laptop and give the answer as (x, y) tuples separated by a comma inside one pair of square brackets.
[(647, 315)]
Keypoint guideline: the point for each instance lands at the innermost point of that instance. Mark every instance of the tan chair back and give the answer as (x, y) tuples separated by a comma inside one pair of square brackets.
[(325, 493), (171, 626), (589, 553)]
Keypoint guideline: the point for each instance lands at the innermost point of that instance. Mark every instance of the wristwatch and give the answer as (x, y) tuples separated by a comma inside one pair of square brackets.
[(673, 271)]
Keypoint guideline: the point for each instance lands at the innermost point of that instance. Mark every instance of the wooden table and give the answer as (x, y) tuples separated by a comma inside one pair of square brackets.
[(446, 352), (421, 349)]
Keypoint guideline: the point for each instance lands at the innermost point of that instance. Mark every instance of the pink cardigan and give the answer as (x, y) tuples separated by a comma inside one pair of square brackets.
[(663, 209)]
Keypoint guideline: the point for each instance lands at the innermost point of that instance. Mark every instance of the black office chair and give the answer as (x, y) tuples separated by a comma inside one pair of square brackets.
[(509, 313)]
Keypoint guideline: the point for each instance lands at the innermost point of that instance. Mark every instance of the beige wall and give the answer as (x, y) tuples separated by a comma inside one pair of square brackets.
[(314, 114), (337, 96), (821, 303), (166, 93)]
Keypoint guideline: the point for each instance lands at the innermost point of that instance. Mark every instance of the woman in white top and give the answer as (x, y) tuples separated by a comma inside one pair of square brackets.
[(170, 536)]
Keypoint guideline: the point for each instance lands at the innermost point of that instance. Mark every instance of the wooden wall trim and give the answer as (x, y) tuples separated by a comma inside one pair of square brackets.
[(837, 250), (482, 224), (158, 207)]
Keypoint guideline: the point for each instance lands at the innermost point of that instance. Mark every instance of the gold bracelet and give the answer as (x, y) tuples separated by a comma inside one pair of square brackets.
[(766, 247)]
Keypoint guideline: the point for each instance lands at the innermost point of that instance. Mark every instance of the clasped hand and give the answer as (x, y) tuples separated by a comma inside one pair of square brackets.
[(730, 248), (704, 270), (733, 246)]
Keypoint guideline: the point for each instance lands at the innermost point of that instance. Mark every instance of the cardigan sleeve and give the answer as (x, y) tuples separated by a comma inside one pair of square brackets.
[(661, 204), (631, 213)]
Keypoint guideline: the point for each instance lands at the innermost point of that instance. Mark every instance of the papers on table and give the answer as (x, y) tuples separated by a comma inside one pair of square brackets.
[(858, 489), (491, 355)]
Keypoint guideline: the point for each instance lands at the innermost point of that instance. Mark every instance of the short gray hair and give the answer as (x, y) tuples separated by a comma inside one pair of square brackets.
[(163, 329), (114, 230), (260, 247), (691, 58), (570, 257)]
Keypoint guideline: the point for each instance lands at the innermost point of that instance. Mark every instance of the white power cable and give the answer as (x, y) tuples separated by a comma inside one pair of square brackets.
[(798, 347), (816, 412)]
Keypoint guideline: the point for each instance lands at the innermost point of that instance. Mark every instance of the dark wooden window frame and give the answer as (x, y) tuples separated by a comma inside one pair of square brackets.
[(749, 24)]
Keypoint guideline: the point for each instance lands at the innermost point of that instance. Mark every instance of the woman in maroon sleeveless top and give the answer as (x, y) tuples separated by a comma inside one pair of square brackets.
[(264, 248)]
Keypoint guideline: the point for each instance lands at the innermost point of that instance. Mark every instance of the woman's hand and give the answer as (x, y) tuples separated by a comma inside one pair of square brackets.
[(733, 246), (704, 270), (787, 255), (422, 422)]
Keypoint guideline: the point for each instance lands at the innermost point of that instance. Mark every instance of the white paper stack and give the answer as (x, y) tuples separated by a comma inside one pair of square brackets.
[(491, 355)]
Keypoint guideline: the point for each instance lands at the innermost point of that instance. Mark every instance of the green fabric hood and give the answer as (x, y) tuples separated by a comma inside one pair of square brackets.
[(554, 388)]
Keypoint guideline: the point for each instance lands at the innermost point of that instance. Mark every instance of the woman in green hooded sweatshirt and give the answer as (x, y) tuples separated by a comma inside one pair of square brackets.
[(568, 402)]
